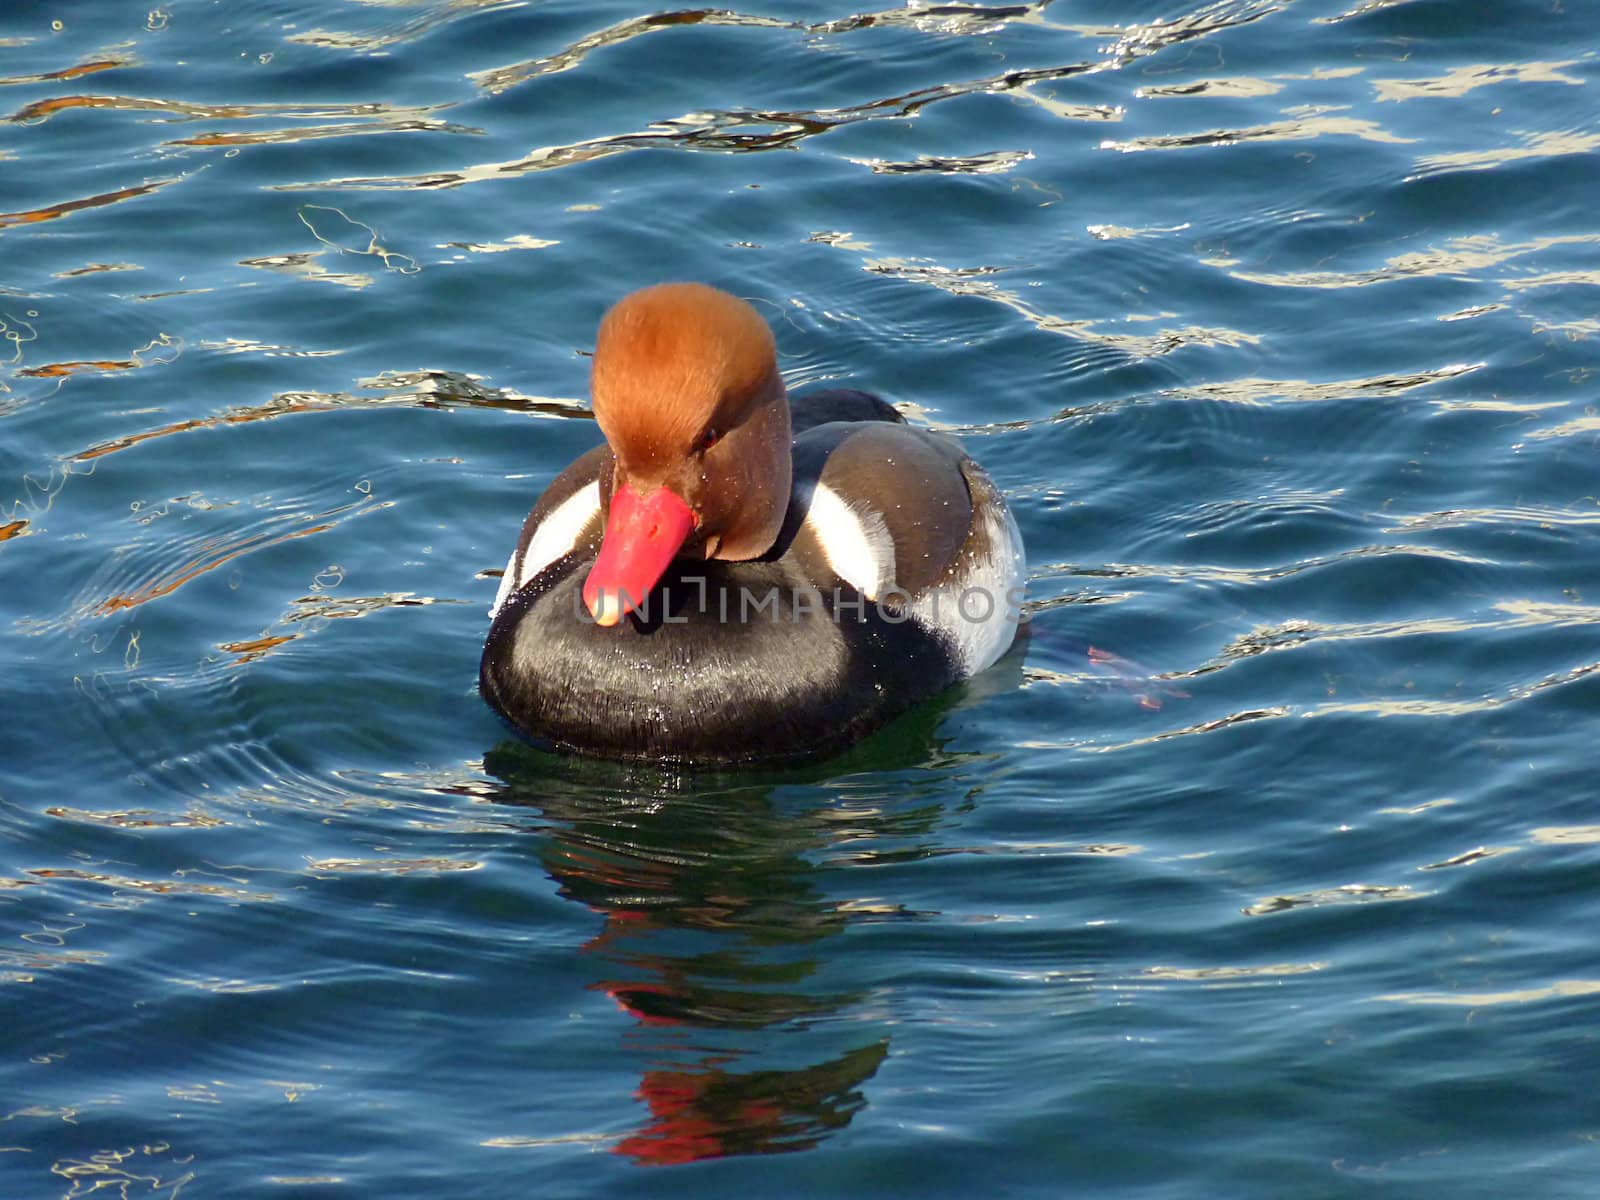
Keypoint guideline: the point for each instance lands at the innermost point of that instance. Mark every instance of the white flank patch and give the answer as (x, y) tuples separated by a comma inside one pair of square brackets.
[(856, 544), (980, 609), (556, 535)]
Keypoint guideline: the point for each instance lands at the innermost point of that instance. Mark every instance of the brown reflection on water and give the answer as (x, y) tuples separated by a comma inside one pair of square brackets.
[(966, 20), (213, 555), (56, 370), (320, 607), (41, 110), (500, 79), (77, 72), (54, 211), (133, 439), (308, 133), (279, 406), (129, 886), (411, 29), (135, 818), (357, 119), (255, 648), (158, 352), (424, 389)]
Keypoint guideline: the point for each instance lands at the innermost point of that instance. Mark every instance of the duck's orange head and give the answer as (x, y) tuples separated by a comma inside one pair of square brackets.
[(687, 392)]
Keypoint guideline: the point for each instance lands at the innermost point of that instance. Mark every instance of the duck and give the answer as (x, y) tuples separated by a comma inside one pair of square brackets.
[(734, 577)]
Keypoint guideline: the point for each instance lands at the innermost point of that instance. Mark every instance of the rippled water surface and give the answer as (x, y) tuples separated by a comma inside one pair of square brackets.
[(1269, 865)]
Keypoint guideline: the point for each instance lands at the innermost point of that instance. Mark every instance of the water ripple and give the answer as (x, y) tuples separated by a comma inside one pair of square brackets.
[(1302, 129), (756, 129), (1458, 81), (65, 208)]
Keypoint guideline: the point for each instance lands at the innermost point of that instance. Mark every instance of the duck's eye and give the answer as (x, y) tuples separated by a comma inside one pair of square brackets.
[(708, 439)]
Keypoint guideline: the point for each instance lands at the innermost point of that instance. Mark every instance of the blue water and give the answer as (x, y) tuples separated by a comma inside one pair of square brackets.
[(1269, 864)]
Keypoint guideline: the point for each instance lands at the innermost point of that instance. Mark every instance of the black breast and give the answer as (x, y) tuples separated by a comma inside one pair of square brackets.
[(728, 663)]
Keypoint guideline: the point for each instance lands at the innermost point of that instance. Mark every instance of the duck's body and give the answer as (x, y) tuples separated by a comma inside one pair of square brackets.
[(772, 586)]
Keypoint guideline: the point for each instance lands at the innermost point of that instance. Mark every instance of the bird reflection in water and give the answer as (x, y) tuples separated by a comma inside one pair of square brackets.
[(711, 1113), (713, 922)]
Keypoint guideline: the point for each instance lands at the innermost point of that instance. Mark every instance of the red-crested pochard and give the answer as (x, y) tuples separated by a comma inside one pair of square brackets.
[(731, 579)]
